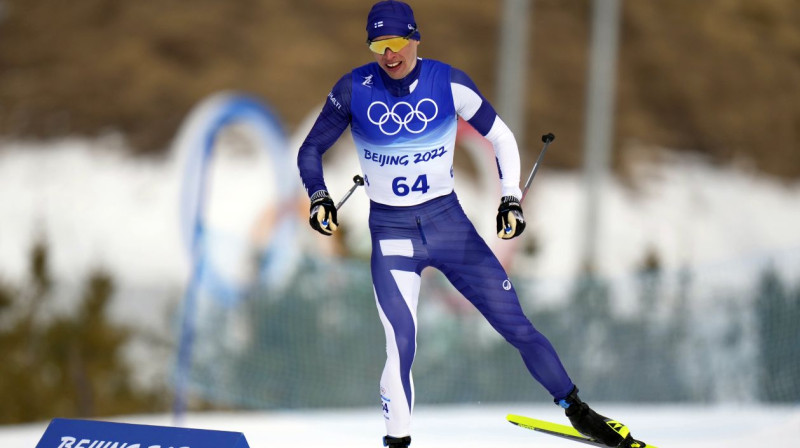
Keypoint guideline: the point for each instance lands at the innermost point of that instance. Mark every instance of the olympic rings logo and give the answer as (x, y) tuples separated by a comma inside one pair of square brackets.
[(403, 116)]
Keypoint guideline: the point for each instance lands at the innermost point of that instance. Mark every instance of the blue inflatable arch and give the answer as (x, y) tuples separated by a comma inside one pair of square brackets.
[(194, 145)]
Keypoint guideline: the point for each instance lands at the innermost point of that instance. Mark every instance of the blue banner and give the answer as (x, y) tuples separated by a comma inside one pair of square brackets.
[(69, 433)]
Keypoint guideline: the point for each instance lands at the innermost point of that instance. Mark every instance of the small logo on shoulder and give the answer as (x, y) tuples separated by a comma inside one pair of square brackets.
[(367, 81), (507, 284)]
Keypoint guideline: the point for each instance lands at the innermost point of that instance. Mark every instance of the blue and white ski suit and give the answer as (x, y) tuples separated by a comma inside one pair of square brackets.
[(404, 132)]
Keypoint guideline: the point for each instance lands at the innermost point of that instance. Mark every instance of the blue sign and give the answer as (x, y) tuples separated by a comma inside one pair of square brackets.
[(69, 433)]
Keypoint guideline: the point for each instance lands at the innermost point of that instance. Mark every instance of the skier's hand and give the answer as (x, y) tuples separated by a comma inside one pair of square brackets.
[(510, 222), (323, 213)]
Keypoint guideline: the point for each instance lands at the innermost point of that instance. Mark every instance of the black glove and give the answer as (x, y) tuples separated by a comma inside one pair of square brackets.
[(510, 222), (323, 213)]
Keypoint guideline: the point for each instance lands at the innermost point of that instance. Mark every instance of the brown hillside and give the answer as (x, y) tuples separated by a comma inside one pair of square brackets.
[(717, 76)]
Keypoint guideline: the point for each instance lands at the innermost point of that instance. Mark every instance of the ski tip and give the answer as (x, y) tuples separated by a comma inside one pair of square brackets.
[(513, 418), (523, 422)]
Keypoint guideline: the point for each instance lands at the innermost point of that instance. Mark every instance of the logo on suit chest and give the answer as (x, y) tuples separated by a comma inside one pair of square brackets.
[(402, 115)]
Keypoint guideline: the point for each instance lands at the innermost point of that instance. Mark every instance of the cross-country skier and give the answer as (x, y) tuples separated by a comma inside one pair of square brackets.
[(402, 111)]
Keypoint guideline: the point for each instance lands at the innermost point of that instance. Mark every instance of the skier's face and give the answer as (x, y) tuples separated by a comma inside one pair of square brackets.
[(397, 64)]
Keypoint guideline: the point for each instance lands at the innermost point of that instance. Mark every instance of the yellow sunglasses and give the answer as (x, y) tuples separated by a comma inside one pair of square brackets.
[(393, 43)]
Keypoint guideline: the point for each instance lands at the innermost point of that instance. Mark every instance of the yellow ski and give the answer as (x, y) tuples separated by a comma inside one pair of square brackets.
[(554, 429)]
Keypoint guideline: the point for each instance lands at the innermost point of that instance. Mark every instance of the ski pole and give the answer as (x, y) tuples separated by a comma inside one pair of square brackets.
[(357, 182), (546, 138)]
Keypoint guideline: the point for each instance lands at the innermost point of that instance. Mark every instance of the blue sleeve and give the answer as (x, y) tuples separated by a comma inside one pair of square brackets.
[(484, 118), (331, 122)]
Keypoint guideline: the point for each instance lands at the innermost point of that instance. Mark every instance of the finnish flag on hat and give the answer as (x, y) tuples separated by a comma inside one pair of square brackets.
[(391, 18)]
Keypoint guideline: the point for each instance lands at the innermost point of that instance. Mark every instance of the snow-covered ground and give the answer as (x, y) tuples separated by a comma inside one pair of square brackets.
[(478, 426), (98, 207)]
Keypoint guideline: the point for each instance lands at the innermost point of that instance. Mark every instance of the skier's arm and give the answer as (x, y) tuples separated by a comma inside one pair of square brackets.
[(331, 122), (477, 111)]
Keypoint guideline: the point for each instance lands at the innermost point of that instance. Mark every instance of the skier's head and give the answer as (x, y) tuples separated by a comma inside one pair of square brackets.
[(391, 18), (392, 36)]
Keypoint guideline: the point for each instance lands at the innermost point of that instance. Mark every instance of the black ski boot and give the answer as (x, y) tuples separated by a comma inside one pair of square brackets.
[(397, 442), (591, 424)]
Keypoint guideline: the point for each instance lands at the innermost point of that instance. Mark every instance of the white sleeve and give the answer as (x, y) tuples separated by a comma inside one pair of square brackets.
[(507, 154), (467, 103)]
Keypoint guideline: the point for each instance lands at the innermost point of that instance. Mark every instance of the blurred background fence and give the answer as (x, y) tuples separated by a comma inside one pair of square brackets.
[(712, 334)]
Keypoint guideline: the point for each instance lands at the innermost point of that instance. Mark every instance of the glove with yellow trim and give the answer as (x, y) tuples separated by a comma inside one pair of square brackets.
[(323, 213), (510, 222)]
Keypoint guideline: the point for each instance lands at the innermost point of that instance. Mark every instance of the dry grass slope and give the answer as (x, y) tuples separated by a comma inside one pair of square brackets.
[(717, 76)]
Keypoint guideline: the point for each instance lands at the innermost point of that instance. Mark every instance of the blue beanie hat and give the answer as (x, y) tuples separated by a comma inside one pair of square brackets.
[(391, 18)]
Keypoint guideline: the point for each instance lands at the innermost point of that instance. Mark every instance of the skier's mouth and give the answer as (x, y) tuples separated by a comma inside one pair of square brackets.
[(395, 69)]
